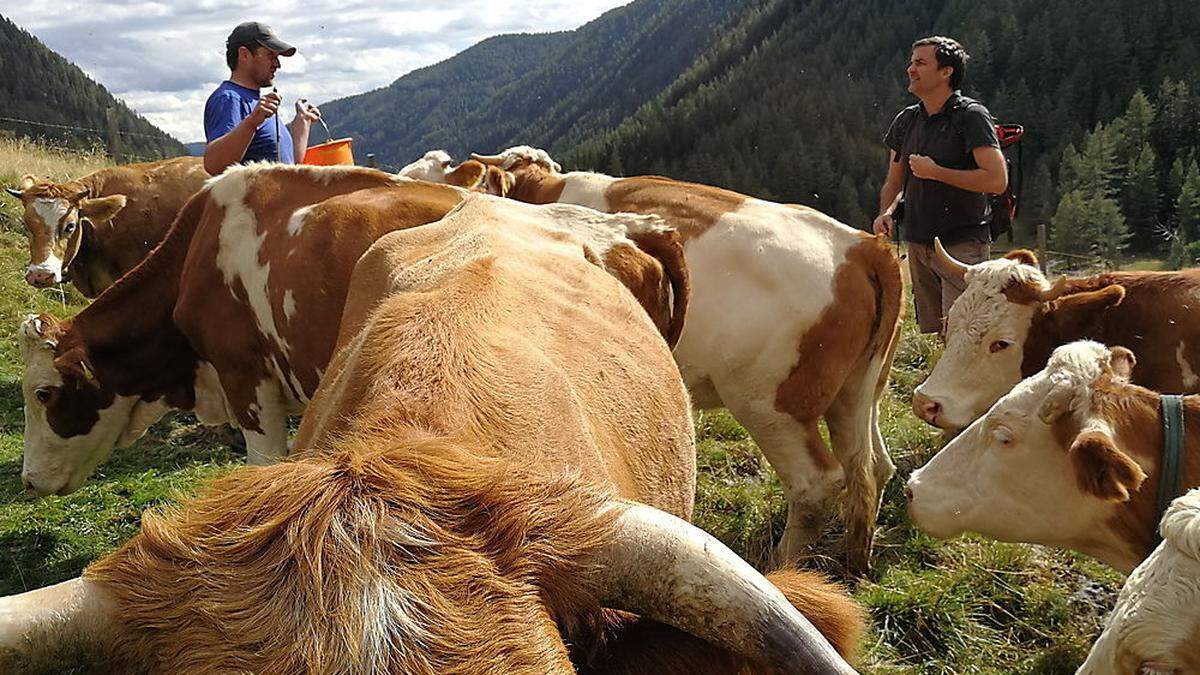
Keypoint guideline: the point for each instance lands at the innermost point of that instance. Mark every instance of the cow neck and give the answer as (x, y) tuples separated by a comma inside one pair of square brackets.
[(538, 186), (1134, 415), (128, 332), (81, 271)]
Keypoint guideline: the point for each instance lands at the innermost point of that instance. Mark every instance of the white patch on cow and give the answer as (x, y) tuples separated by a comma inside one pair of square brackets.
[(1008, 475), (296, 222), (1155, 619), (51, 210), (586, 189), (969, 377), (1190, 379), (271, 407), (761, 277), (432, 167), (289, 304)]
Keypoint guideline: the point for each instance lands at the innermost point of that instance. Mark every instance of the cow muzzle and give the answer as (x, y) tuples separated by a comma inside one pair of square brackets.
[(926, 408), (42, 277)]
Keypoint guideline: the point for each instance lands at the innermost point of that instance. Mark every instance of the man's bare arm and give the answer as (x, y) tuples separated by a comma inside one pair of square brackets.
[(229, 149)]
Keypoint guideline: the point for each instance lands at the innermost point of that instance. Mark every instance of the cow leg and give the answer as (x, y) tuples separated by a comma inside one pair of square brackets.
[(810, 474), (853, 421), (269, 443)]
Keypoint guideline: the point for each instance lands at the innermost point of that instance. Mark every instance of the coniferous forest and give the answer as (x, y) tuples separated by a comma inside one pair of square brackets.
[(43, 87)]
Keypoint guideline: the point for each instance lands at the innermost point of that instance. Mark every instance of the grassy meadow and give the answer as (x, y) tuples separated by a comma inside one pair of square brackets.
[(962, 606)]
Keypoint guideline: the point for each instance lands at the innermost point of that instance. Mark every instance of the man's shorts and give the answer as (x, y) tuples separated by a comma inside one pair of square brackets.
[(933, 294)]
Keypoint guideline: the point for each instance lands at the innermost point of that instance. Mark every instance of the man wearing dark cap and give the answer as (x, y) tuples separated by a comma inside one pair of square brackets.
[(238, 122)]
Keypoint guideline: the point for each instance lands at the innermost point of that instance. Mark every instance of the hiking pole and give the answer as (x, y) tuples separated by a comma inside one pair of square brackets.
[(278, 143)]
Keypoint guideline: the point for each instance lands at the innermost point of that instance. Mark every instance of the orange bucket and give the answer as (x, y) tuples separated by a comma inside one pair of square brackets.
[(330, 153)]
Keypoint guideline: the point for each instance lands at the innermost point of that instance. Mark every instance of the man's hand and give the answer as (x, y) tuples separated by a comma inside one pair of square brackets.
[(306, 112), (883, 224), (923, 167), (267, 106)]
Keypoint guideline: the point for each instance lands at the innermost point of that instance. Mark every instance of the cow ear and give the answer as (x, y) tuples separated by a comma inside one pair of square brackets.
[(27, 181), (1122, 361), (1074, 312), (499, 182), (1023, 256), (1102, 469), (102, 209)]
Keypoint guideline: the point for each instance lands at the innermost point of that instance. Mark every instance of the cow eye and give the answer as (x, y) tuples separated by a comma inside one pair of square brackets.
[(999, 346), (43, 394), (69, 227)]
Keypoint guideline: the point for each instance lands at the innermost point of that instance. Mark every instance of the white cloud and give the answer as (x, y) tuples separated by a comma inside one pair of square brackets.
[(163, 59)]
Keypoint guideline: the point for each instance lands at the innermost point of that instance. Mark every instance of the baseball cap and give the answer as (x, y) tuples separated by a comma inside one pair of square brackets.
[(258, 32)]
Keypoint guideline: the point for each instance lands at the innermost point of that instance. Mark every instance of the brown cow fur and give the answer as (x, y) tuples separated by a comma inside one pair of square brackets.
[(1153, 315)]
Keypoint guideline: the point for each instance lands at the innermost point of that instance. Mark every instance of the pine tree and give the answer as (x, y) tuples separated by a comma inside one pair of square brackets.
[(1139, 200)]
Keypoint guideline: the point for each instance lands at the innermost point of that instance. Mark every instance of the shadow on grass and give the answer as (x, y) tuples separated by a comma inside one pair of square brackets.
[(25, 557), (176, 442)]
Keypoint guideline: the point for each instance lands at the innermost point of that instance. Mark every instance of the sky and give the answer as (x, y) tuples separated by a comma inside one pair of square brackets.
[(163, 59)]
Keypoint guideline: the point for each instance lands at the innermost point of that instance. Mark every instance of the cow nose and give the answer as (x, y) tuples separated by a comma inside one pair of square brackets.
[(39, 278), (28, 485), (926, 408)]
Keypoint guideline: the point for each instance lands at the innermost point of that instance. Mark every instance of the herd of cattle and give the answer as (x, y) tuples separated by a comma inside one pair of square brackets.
[(496, 363)]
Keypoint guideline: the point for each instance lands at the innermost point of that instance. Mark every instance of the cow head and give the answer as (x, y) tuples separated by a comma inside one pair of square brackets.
[(519, 170), (1046, 464), (72, 422), (1007, 307), (55, 218), (432, 167)]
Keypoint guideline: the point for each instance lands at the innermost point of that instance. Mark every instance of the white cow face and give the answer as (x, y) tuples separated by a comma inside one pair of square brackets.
[(1041, 466), (432, 167), (985, 339), (72, 423), (54, 221)]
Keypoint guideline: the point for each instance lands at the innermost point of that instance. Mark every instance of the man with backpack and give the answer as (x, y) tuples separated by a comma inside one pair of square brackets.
[(945, 161)]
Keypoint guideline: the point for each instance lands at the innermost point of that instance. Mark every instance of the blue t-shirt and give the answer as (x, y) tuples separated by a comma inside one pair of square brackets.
[(228, 106)]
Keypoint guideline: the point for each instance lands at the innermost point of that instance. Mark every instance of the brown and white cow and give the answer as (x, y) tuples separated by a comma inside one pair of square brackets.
[(1009, 320), (1070, 458), (794, 318), (236, 314), (1154, 629), (94, 229), (495, 404)]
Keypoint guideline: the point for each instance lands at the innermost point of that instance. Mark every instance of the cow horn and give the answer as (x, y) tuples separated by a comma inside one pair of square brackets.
[(946, 264), (668, 570), (495, 160), (14, 192), (71, 610)]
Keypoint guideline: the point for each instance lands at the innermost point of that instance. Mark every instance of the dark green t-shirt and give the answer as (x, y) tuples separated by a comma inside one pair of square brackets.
[(932, 208)]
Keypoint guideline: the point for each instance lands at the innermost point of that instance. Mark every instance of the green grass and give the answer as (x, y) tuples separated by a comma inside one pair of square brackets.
[(966, 605)]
